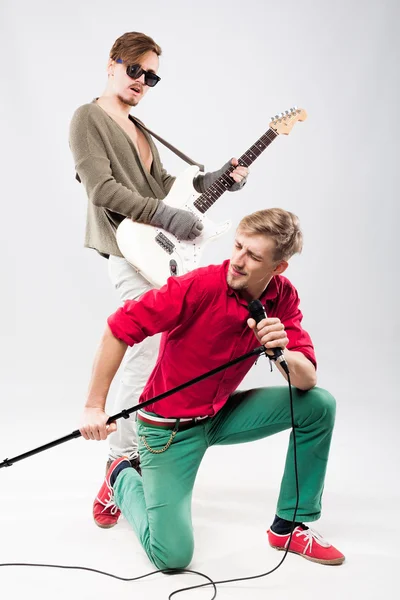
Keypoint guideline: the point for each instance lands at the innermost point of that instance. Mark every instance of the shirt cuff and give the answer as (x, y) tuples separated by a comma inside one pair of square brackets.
[(124, 329)]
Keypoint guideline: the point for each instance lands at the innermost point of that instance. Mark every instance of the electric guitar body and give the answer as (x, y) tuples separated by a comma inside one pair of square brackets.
[(158, 254)]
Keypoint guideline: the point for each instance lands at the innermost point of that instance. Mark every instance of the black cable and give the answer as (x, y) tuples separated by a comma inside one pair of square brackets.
[(183, 571), (78, 568), (194, 587)]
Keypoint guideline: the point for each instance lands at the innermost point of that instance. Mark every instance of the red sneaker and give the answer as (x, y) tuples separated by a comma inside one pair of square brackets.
[(105, 511), (309, 544)]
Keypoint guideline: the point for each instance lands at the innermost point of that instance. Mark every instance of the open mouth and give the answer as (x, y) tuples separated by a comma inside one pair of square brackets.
[(136, 88)]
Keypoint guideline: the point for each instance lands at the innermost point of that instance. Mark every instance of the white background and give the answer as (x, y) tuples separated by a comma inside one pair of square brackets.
[(226, 68)]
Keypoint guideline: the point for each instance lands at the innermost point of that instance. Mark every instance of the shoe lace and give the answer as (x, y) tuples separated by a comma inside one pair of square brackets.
[(310, 536), (109, 504)]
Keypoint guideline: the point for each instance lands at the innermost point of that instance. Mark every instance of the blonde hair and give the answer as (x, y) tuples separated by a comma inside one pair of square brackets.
[(280, 225)]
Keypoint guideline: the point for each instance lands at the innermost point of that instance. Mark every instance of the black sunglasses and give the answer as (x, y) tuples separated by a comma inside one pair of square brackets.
[(136, 71)]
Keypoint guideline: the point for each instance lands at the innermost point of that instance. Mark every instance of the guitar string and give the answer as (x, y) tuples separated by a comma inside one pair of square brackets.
[(215, 191)]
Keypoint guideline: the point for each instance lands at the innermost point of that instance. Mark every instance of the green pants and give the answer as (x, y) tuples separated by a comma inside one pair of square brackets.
[(158, 504)]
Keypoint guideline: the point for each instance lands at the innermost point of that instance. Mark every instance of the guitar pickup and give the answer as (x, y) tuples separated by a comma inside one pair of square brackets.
[(165, 243)]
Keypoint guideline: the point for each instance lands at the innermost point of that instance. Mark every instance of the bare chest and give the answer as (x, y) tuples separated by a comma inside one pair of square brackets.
[(139, 140)]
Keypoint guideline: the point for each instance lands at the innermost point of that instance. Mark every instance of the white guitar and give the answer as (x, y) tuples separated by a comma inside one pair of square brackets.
[(158, 254)]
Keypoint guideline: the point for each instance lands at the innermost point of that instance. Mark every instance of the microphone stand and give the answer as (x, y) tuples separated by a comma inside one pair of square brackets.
[(8, 462)]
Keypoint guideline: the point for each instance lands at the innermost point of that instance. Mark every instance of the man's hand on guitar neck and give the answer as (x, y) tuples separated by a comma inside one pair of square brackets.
[(239, 175), (203, 181), (182, 223)]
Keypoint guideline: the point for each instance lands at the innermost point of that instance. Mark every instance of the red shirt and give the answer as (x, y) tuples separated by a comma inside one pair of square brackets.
[(205, 325)]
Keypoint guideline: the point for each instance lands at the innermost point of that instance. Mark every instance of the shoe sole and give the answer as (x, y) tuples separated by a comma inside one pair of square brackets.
[(104, 526), (334, 561)]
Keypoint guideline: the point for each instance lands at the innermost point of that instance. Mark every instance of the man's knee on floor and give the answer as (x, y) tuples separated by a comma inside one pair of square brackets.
[(177, 557)]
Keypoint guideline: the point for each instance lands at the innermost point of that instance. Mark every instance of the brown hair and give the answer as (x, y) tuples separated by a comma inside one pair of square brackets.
[(280, 225), (130, 47)]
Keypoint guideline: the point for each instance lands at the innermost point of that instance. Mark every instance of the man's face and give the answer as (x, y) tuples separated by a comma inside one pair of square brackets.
[(252, 264), (131, 91)]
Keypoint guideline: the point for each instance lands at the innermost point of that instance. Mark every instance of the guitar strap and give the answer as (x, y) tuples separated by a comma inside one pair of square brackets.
[(165, 143), (168, 145)]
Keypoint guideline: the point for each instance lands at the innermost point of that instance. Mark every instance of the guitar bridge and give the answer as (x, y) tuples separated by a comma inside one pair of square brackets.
[(165, 243)]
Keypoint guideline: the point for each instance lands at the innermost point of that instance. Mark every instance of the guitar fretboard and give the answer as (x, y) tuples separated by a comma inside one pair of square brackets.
[(224, 182)]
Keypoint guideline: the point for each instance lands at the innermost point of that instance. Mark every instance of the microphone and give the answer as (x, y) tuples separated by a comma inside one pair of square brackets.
[(258, 313)]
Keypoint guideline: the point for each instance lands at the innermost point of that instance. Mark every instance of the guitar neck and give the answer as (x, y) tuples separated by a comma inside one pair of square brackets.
[(224, 182)]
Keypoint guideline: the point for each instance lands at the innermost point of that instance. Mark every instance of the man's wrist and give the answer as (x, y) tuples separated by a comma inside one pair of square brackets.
[(92, 403), (271, 354)]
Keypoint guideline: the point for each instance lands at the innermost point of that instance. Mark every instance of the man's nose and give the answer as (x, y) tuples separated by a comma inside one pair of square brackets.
[(239, 258)]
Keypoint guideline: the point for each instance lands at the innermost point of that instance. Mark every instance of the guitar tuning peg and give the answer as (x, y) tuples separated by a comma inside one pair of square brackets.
[(276, 116), (286, 112), (272, 118), (294, 107)]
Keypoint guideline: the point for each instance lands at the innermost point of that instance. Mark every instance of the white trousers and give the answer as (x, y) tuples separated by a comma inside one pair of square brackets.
[(138, 363)]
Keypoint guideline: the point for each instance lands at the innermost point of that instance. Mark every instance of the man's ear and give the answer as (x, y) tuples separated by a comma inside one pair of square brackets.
[(281, 267), (110, 66)]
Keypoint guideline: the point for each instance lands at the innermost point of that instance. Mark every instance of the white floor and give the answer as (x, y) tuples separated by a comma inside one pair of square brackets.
[(45, 516)]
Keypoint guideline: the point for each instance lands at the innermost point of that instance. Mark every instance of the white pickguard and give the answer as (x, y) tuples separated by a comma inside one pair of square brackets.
[(138, 242)]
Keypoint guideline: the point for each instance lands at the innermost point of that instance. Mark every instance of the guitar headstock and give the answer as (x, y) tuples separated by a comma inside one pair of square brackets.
[(284, 122)]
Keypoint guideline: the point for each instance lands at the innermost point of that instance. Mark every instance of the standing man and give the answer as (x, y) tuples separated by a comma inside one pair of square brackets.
[(206, 325), (119, 165)]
